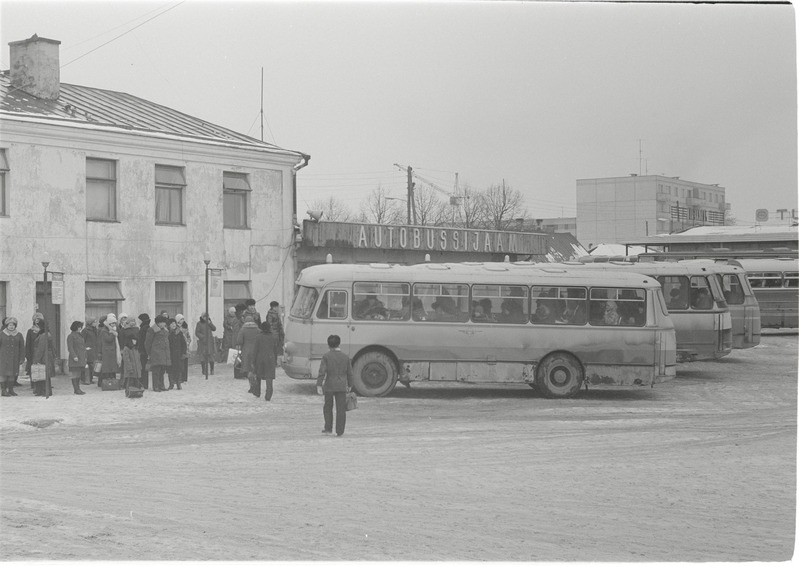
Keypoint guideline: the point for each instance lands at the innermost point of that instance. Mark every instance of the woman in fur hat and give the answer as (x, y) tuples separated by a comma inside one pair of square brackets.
[(183, 327), (43, 353), (30, 341), (144, 327), (206, 344), (12, 355)]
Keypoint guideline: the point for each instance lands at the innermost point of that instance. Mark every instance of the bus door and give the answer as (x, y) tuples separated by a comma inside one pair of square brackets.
[(332, 317)]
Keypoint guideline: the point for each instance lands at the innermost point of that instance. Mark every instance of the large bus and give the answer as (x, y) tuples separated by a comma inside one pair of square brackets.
[(741, 300), (775, 282), (552, 329), (695, 302)]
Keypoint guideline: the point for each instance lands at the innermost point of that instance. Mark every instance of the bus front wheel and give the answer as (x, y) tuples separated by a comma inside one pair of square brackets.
[(374, 374), (559, 375)]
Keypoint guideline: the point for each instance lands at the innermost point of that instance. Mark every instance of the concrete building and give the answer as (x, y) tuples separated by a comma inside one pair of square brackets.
[(126, 199), (615, 210)]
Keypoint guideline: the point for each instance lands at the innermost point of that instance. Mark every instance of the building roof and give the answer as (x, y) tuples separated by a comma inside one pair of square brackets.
[(102, 109), (722, 234), (563, 246)]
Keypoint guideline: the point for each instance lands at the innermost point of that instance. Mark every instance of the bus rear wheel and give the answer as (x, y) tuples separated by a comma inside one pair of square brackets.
[(559, 375), (374, 374)]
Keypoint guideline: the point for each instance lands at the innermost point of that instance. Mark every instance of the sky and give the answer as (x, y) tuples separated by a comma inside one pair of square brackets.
[(533, 94)]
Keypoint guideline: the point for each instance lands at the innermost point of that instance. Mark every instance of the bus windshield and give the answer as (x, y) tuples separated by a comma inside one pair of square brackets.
[(304, 302)]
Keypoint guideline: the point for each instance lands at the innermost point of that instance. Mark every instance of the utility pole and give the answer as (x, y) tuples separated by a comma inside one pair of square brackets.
[(411, 204), (262, 104)]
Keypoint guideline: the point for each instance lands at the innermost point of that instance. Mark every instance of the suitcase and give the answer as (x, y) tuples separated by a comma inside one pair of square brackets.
[(110, 384)]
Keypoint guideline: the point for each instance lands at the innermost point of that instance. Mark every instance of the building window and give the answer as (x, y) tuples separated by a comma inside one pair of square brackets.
[(101, 189), (235, 293), (169, 298), (3, 171), (236, 193), (169, 185), (102, 298)]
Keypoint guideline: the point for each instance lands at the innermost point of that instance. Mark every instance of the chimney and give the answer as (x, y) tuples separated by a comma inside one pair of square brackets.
[(35, 67)]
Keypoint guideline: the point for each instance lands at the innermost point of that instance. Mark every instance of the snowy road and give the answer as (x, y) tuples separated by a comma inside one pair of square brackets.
[(702, 468)]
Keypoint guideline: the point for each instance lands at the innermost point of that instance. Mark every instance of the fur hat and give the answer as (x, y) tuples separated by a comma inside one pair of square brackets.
[(37, 315), (144, 318), (75, 326), (123, 316), (160, 319), (8, 320), (179, 318), (110, 318)]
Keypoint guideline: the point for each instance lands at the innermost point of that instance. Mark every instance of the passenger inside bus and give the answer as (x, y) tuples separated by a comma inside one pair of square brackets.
[(676, 300), (511, 311), (701, 299), (370, 308), (439, 313), (573, 313)]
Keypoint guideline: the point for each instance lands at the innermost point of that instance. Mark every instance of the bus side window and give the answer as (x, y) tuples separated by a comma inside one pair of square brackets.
[(791, 279)]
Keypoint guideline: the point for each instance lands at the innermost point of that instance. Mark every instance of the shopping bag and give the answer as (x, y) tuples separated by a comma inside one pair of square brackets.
[(352, 401), (232, 355), (38, 373), (97, 366)]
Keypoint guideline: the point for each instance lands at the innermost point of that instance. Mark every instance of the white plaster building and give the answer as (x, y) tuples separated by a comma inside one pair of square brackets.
[(124, 197), (614, 210)]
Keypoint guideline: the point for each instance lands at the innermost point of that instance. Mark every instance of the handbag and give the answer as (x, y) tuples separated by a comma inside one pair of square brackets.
[(97, 367), (38, 373), (352, 401)]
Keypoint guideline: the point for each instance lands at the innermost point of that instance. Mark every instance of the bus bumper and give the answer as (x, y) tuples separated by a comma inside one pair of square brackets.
[(615, 375)]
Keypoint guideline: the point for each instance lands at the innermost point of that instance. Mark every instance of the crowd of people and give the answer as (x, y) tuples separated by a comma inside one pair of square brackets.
[(116, 352)]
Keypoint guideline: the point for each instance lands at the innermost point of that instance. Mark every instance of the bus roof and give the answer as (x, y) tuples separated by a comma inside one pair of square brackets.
[(653, 269), (767, 264), (467, 272)]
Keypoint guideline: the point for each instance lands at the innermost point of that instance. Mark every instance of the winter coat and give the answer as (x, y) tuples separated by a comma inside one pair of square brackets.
[(157, 345), (231, 328), (30, 345), (12, 352), (108, 351), (186, 335), (177, 349), (265, 356), (128, 337), (76, 347), (91, 336), (245, 341), (131, 364), (206, 346), (335, 371), (141, 339), (276, 325), (40, 347)]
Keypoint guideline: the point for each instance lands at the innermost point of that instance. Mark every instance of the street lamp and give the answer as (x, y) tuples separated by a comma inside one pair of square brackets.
[(48, 389), (207, 260)]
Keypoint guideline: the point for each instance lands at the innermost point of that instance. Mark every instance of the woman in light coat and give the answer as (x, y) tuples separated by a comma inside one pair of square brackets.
[(110, 354)]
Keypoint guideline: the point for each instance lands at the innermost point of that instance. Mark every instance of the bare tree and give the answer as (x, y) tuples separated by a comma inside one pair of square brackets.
[(378, 209), (470, 208), (428, 206), (502, 205), (335, 210)]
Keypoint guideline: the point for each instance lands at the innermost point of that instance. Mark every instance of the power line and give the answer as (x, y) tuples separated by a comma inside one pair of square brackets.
[(122, 34)]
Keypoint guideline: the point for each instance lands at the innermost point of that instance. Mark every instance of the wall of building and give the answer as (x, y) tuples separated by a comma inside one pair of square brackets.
[(620, 209), (46, 187)]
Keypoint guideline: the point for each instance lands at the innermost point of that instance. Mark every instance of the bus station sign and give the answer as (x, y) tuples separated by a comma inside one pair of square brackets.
[(422, 238)]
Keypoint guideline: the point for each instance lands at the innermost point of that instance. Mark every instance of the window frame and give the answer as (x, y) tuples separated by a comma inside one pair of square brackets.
[(4, 169), (169, 187), (109, 184), (159, 303), (237, 185)]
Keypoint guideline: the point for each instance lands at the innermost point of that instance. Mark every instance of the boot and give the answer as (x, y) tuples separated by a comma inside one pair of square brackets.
[(212, 367), (76, 387), (10, 389), (5, 393), (178, 385), (171, 383), (204, 366)]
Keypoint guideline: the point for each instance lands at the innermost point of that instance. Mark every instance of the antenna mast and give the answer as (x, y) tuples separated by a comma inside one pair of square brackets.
[(262, 104)]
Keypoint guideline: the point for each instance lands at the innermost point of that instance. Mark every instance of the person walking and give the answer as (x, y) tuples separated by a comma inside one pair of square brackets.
[(44, 354), (177, 347), (76, 349), (12, 355), (230, 328), (144, 379), (110, 355), (206, 346), (245, 342), (264, 360), (183, 326), (91, 338), (276, 325), (157, 347), (335, 380), (252, 311)]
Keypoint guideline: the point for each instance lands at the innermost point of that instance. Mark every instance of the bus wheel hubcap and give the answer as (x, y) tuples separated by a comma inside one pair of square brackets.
[(374, 375), (560, 376)]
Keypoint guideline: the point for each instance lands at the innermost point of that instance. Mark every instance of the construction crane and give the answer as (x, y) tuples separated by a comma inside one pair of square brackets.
[(454, 196)]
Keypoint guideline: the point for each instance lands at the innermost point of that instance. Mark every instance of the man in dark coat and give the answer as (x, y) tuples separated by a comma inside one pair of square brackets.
[(157, 346), (335, 380), (264, 361), (144, 381), (245, 342), (276, 326), (91, 336)]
